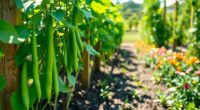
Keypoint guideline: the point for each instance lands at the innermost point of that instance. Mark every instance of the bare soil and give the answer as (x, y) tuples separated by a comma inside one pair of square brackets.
[(129, 85)]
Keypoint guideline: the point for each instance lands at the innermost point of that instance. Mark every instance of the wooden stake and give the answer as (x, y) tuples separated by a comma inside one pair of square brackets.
[(7, 65), (97, 61), (85, 75)]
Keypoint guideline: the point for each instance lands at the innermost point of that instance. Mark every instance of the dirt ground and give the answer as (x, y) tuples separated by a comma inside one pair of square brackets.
[(123, 84)]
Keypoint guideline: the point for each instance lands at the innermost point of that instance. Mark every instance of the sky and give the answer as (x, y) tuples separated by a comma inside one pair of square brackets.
[(169, 2)]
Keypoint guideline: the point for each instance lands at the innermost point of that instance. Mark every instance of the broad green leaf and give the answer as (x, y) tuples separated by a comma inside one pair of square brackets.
[(1, 53), (80, 17), (69, 25), (87, 14), (191, 106), (16, 101), (90, 49), (71, 79), (58, 15), (48, 1), (23, 31), (98, 7), (2, 82), (88, 2), (25, 5), (62, 86), (22, 53), (8, 34)]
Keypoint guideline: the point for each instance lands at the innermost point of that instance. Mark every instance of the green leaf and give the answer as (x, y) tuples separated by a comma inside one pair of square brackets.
[(22, 53), (80, 17), (23, 31), (8, 34), (25, 5), (1, 53), (87, 14), (191, 106), (71, 79), (88, 2), (16, 101), (69, 25), (58, 15), (2, 82), (90, 49), (62, 86), (48, 1)]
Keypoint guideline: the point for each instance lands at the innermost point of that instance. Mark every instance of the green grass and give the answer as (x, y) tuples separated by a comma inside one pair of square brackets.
[(130, 37)]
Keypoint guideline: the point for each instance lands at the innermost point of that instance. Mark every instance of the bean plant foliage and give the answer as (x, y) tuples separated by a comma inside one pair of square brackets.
[(51, 38), (157, 31)]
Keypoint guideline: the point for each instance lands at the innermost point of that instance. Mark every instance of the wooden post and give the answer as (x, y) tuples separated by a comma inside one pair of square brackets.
[(175, 23), (97, 61), (85, 75), (164, 13), (192, 16), (7, 65)]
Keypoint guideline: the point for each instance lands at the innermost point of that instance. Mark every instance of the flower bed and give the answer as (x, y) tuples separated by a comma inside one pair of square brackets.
[(180, 73)]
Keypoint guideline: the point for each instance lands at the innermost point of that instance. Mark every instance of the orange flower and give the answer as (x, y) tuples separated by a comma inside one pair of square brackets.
[(172, 61), (180, 56), (179, 68), (159, 64), (192, 60)]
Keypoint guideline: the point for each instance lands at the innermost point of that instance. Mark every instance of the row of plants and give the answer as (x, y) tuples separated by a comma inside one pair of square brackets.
[(180, 73), (51, 38), (174, 25), (157, 29)]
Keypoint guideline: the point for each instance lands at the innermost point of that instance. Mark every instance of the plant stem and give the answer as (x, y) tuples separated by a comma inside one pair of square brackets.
[(55, 103), (69, 96), (43, 108)]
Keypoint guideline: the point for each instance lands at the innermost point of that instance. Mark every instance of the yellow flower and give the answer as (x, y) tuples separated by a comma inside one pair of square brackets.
[(60, 34), (177, 63), (30, 82), (194, 82)]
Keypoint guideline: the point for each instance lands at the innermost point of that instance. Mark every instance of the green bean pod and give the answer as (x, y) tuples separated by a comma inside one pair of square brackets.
[(24, 86), (65, 52), (74, 51), (50, 55), (70, 54), (55, 77), (79, 41), (35, 65)]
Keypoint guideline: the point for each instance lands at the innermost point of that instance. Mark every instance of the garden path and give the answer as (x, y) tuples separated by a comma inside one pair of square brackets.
[(123, 84)]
